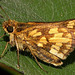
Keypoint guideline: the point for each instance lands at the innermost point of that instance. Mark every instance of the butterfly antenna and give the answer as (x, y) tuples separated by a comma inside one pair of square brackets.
[(4, 12)]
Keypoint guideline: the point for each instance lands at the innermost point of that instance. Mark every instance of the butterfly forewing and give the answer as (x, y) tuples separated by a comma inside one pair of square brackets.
[(49, 43)]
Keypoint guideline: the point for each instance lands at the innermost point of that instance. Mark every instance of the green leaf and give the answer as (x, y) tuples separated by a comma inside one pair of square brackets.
[(39, 11)]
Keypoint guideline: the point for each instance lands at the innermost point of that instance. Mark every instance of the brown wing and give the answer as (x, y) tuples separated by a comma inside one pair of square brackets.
[(49, 42)]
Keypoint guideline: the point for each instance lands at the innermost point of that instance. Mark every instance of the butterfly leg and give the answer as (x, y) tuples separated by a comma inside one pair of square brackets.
[(37, 60), (4, 50), (3, 35), (18, 66), (39, 63)]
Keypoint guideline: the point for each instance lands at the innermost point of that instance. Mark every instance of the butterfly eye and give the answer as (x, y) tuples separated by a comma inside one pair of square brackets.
[(10, 29)]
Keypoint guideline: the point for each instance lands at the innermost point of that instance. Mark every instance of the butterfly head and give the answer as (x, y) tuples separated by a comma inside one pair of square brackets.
[(9, 26)]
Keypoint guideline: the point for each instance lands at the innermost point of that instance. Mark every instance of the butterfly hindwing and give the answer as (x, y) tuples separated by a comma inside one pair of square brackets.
[(54, 44)]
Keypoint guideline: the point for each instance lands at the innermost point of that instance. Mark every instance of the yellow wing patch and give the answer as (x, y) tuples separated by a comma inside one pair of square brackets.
[(55, 52), (32, 32), (58, 35), (58, 40), (42, 41), (59, 44), (70, 24), (37, 34), (53, 30)]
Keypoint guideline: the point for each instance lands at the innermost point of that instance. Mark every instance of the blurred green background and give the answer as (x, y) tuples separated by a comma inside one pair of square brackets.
[(36, 11)]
